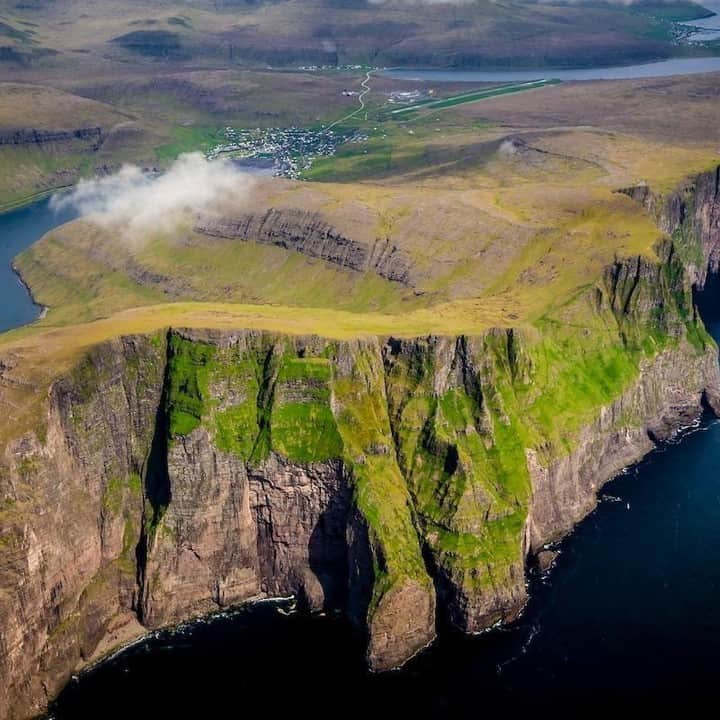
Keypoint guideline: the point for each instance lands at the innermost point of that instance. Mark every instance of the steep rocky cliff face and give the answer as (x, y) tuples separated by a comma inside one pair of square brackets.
[(70, 520), (93, 136), (309, 234), (691, 216), (399, 480)]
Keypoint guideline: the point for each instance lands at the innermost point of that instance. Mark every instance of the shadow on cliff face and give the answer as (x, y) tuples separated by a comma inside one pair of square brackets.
[(157, 478), (707, 305), (328, 551), (157, 490), (341, 559), (339, 554), (707, 302)]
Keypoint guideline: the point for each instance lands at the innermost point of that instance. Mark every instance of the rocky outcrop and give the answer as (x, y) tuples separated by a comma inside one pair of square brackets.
[(93, 136), (308, 233), (152, 43), (691, 216), (394, 479)]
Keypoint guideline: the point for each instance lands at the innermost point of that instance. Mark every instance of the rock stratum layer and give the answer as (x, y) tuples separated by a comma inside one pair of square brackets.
[(29, 136), (310, 234), (403, 481)]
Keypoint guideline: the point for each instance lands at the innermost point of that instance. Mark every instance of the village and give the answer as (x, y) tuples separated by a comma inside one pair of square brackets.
[(286, 152)]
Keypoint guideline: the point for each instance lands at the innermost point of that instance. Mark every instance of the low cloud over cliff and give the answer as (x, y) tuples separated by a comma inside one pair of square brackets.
[(139, 203)]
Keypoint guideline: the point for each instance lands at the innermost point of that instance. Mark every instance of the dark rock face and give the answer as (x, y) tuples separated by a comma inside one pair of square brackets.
[(152, 43), (86, 141), (233, 533), (308, 233), (26, 136), (67, 563), (691, 214)]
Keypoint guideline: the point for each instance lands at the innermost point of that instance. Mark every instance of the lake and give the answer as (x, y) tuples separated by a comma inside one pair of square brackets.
[(18, 230), (662, 68), (706, 29)]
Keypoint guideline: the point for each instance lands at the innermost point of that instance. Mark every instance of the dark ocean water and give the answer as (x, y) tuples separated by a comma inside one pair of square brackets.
[(18, 230), (627, 621)]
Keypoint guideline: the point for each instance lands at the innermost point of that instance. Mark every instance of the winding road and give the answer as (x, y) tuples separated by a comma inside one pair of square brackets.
[(361, 99)]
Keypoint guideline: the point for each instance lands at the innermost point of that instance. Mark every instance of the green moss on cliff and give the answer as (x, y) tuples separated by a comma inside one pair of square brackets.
[(381, 492), (576, 372), (591, 350), (302, 426), (117, 489), (305, 432), (235, 385), (236, 429), (189, 363), (462, 451), (253, 398), (113, 495)]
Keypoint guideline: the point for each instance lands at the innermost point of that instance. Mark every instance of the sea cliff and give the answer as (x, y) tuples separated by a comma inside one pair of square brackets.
[(405, 481)]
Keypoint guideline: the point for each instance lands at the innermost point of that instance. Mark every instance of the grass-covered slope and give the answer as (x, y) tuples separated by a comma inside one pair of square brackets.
[(335, 32), (50, 138)]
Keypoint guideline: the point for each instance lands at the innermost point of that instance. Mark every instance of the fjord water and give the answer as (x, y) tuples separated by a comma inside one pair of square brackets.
[(18, 230), (706, 29), (661, 68), (627, 620)]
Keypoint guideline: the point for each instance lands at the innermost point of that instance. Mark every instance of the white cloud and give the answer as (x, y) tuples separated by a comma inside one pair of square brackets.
[(137, 203), (508, 148)]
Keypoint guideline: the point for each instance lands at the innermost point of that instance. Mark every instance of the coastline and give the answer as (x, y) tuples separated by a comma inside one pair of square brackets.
[(29, 200), (42, 309), (133, 633)]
